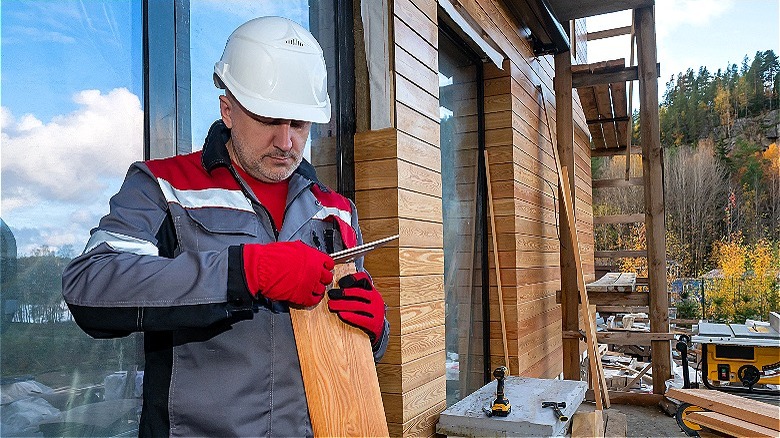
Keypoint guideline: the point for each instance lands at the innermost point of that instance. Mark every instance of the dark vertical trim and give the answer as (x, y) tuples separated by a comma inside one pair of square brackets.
[(345, 86), (145, 77), (481, 206), (183, 88)]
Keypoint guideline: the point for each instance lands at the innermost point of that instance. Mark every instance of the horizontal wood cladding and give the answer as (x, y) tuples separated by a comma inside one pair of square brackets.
[(398, 291), (423, 425), (391, 143), (398, 203), (416, 317), (406, 348), (409, 40), (417, 125), (416, 71), (392, 261), (418, 20), (391, 173), (400, 408), (412, 233), (397, 379), (415, 96)]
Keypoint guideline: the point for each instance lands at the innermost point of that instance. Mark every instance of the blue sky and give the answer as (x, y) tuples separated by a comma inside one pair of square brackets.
[(694, 33), (71, 89)]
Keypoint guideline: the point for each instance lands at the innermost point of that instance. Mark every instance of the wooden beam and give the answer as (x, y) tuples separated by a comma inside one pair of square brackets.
[(594, 153), (609, 33), (732, 405), (588, 79), (619, 299), (730, 425), (587, 424), (565, 139), (608, 120), (623, 309), (652, 165), (638, 376), (618, 182), (630, 398), (619, 219), (633, 338), (566, 10)]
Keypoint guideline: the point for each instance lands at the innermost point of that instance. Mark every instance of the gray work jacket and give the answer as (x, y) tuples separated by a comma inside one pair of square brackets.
[(166, 261)]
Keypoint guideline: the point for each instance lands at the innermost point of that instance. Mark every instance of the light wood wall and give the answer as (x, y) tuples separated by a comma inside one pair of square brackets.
[(398, 190)]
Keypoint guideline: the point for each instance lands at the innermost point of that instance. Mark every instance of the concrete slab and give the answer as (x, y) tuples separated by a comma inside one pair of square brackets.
[(466, 418)]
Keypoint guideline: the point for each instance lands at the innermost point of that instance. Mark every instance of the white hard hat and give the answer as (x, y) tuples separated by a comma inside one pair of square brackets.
[(275, 68)]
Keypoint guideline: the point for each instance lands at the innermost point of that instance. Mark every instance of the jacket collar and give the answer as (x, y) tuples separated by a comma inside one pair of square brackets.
[(215, 154)]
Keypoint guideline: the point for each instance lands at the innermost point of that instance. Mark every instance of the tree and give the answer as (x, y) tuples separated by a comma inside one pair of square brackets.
[(695, 184)]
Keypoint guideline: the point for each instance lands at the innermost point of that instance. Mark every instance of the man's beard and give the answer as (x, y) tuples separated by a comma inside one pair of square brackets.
[(266, 172)]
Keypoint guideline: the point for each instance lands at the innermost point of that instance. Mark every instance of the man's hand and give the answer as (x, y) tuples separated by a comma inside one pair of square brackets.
[(358, 303), (287, 271)]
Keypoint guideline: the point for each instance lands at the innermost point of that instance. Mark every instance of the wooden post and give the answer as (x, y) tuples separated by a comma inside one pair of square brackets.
[(569, 293), (652, 164)]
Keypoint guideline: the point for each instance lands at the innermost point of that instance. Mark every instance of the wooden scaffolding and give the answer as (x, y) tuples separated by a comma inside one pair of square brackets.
[(602, 88)]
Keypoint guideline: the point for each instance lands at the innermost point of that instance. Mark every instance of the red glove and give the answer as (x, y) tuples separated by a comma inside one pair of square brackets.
[(358, 303), (287, 271)]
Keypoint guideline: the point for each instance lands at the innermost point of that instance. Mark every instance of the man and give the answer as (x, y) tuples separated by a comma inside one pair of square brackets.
[(205, 252)]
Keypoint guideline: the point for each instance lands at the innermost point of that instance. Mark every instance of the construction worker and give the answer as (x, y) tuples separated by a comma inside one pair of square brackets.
[(205, 252)]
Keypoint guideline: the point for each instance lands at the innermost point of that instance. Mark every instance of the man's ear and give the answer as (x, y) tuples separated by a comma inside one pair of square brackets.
[(225, 110)]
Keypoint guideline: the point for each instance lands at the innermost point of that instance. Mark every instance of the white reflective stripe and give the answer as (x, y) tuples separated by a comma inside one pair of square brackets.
[(121, 243), (224, 198), (344, 215)]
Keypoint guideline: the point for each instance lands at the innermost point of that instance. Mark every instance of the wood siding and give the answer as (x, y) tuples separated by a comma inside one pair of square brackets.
[(398, 190)]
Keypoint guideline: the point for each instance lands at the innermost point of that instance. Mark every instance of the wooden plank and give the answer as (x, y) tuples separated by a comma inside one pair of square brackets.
[(333, 356), (614, 282), (753, 411), (588, 100), (587, 424), (633, 338), (612, 152), (629, 398), (597, 376), (638, 376), (620, 108), (730, 425), (397, 379), (622, 309), (589, 79), (652, 169), (567, 10), (496, 262), (618, 182), (604, 106), (619, 298), (608, 33)]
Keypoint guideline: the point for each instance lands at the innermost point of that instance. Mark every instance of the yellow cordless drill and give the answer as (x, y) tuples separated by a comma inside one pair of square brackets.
[(501, 406)]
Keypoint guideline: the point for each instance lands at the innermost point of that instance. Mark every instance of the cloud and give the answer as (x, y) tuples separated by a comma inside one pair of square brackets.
[(672, 14), (71, 157), (25, 34)]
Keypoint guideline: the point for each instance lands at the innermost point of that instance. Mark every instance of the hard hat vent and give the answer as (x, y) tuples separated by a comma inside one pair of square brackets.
[(295, 42)]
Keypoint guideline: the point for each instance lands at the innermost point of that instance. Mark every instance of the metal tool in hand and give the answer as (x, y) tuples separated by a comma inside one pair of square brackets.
[(556, 406), (350, 254)]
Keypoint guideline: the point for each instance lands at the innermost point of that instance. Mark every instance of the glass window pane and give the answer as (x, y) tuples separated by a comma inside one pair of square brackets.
[(72, 122), (459, 114), (207, 40)]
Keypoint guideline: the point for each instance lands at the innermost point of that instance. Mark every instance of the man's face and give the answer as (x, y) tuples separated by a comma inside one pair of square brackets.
[(268, 149)]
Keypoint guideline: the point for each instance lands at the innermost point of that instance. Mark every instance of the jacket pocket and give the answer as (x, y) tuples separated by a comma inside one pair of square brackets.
[(205, 229)]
